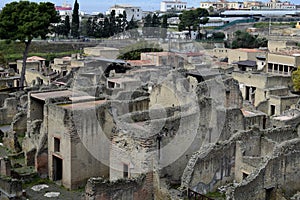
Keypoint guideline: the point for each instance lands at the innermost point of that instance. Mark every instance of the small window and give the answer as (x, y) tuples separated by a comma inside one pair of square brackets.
[(125, 171), (56, 145)]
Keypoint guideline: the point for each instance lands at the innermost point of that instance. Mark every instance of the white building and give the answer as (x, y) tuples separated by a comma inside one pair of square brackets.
[(276, 4), (64, 10), (172, 5), (134, 12)]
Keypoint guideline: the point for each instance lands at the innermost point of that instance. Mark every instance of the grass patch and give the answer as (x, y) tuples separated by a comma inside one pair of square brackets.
[(13, 51), (36, 181), (266, 24), (216, 195)]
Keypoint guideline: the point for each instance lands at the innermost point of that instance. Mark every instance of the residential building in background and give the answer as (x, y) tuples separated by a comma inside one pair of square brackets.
[(170, 5), (249, 5), (132, 12), (64, 10)]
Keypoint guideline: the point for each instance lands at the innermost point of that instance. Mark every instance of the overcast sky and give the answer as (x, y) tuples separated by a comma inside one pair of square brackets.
[(102, 5)]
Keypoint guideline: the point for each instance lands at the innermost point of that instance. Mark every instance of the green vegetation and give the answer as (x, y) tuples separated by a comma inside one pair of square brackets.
[(106, 26), (2, 59), (14, 50), (36, 181), (75, 20), (190, 20), (267, 24), (133, 52), (296, 79), (63, 28), (216, 195), (151, 26), (218, 35), (25, 21), (243, 39)]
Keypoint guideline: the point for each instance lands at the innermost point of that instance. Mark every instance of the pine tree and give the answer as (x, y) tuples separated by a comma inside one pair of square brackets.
[(75, 21), (24, 21)]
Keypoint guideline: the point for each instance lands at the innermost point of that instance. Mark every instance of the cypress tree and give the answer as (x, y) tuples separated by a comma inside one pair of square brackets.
[(75, 21), (67, 26)]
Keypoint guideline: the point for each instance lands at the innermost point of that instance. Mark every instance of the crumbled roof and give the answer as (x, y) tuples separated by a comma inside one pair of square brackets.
[(139, 62), (82, 105), (248, 63), (53, 94), (122, 80), (250, 50)]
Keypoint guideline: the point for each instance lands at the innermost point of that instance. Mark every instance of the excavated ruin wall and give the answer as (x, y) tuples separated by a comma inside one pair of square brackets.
[(278, 174), (215, 165), (9, 110), (134, 188)]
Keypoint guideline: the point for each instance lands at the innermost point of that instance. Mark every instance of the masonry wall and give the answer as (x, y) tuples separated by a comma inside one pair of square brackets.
[(262, 82), (213, 168), (8, 111), (3, 96), (138, 188), (279, 173), (79, 163)]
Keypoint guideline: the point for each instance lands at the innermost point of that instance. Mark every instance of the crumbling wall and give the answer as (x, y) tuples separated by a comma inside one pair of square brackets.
[(3, 96), (10, 188), (9, 110), (19, 123), (281, 134), (5, 166), (31, 141), (81, 150), (136, 188), (218, 164), (277, 174), (257, 120), (210, 167)]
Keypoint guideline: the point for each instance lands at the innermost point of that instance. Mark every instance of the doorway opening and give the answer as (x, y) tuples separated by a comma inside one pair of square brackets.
[(57, 168)]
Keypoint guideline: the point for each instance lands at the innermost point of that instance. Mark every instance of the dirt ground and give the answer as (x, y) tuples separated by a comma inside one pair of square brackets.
[(64, 193)]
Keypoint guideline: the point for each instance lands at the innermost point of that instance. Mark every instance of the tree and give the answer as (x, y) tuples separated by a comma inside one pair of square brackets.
[(75, 21), (112, 23), (147, 24), (67, 26), (133, 52), (2, 60), (132, 26), (296, 79), (124, 21), (164, 26), (218, 35), (191, 19), (243, 39), (24, 21)]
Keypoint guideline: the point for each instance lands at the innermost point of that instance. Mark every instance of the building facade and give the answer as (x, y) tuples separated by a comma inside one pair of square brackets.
[(132, 12), (175, 5)]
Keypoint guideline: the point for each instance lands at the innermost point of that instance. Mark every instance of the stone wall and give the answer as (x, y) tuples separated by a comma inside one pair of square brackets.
[(278, 174), (9, 110), (209, 168), (10, 188), (221, 163), (3, 96), (19, 123), (134, 189), (78, 132)]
